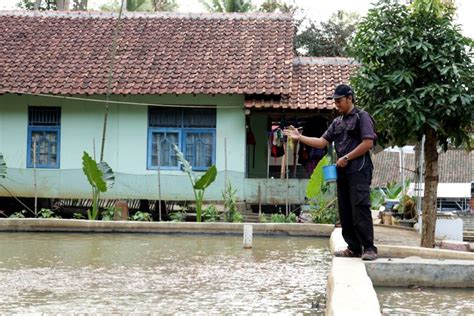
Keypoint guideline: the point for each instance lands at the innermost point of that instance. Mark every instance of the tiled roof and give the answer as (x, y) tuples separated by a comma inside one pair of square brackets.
[(454, 166), (68, 53), (314, 78)]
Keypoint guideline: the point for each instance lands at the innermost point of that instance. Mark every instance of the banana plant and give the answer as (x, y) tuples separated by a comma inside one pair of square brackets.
[(199, 185), (3, 167), (315, 183), (100, 177)]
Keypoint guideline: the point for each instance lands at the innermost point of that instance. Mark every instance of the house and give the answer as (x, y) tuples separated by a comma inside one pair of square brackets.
[(205, 82), (456, 175), (177, 78)]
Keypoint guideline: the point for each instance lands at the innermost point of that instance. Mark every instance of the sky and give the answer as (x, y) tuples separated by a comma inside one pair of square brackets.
[(318, 10)]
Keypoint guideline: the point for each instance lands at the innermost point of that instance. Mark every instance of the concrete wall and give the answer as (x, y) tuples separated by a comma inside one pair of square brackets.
[(125, 147)]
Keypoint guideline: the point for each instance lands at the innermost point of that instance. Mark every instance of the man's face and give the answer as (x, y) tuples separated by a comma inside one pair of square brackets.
[(343, 104)]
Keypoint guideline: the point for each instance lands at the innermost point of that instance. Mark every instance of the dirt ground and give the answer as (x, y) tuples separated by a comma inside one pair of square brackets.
[(390, 235)]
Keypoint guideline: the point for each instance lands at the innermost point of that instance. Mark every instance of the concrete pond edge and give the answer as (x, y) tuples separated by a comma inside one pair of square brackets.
[(350, 288), (350, 285)]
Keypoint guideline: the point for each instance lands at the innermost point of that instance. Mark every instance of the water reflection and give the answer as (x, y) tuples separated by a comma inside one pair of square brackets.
[(425, 301), (142, 273)]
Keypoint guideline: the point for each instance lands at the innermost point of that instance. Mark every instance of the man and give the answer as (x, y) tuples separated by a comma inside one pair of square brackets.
[(353, 134)]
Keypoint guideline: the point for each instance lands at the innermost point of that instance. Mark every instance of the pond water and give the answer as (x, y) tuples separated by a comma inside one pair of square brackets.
[(425, 301), (150, 273)]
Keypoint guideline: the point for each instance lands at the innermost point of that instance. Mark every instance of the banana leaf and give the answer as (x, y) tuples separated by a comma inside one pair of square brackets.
[(93, 173), (316, 181), (108, 174), (206, 178)]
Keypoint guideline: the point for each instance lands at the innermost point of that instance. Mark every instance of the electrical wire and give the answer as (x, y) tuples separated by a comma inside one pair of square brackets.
[(133, 103)]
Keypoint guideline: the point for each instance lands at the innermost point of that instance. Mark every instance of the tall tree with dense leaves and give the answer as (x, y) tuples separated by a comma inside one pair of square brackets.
[(417, 78), (269, 6), (141, 5), (227, 5), (77, 5), (327, 38), (164, 5)]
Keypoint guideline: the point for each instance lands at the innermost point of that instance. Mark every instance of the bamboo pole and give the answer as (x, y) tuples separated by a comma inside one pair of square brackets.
[(159, 181), (35, 184), (225, 162), (287, 171)]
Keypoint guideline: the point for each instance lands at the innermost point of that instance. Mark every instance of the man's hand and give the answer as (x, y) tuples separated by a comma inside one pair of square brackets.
[(342, 162), (292, 132)]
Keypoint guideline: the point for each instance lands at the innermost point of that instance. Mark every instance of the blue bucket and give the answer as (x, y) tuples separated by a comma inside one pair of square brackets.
[(329, 173)]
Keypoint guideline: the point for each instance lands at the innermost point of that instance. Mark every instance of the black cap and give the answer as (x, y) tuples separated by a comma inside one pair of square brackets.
[(341, 90)]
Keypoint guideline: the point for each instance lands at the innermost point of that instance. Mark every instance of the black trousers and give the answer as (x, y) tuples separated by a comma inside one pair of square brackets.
[(353, 194)]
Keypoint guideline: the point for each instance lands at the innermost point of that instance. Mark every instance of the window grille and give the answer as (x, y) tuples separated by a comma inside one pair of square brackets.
[(192, 130), (43, 137)]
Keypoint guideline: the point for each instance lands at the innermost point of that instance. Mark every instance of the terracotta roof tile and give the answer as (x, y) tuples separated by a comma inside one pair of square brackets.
[(454, 166), (156, 53), (314, 78)]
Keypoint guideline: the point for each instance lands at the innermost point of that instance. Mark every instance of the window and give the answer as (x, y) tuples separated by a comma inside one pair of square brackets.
[(192, 130), (44, 125)]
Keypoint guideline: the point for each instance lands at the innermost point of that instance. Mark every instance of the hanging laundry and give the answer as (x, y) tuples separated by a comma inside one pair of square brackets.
[(277, 142)]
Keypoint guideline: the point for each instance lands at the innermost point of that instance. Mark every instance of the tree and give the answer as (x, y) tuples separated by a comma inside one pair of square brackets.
[(227, 5), (77, 5), (164, 5), (329, 38), (41, 5), (270, 6), (416, 78), (141, 5)]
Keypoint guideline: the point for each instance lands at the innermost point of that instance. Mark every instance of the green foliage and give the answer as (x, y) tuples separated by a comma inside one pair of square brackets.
[(262, 218), (140, 216), (316, 181), (3, 167), (47, 213), (323, 207), (52, 4), (237, 218), (44, 5), (164, 5), (109, 213), (227, 5), (93, 173), (281, 218), (231, 214), (100, 177), (329, 38), (394, 190), (269, 6), (141, 5), (20, 214), (178, 216), (416, 72), (206, 179), (199, 185), (377, 198), (78, 216), (210, 214)]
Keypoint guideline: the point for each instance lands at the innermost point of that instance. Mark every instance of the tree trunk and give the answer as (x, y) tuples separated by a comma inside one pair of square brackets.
[(79, 5), (62, 5), (431, 189), (37, 4)]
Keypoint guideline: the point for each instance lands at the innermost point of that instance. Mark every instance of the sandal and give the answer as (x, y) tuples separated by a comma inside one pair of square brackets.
[(347, 253)]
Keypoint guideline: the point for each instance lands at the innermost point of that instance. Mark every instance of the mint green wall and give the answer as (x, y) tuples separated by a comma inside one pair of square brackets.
[(125, 149)]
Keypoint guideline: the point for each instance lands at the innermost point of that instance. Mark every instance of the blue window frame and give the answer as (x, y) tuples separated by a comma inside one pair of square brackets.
[(192, 130), (44, 130)]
